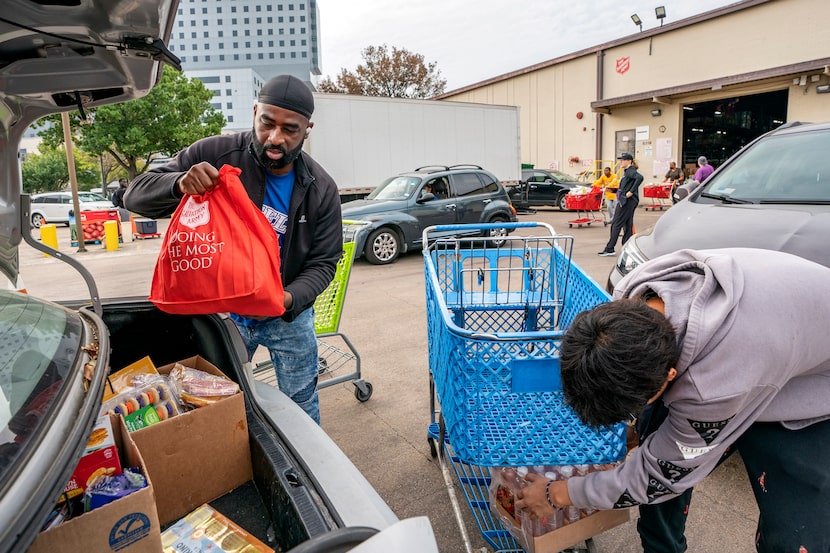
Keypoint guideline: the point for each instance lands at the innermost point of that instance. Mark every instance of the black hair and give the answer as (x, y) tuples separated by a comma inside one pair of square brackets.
[(614, 358)]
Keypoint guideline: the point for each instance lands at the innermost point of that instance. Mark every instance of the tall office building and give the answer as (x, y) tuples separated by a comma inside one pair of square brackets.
[(234, 46)]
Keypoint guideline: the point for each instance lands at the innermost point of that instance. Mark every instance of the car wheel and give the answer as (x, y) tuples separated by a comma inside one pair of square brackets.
[(498, 236), (38, 220), (382, 247), (563, 204)]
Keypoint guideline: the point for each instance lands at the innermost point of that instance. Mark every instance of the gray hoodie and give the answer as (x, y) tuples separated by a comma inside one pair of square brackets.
[(753, 327)]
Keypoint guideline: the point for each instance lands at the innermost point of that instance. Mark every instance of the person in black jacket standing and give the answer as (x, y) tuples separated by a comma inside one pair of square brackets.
[(627, 199), (300, 200)]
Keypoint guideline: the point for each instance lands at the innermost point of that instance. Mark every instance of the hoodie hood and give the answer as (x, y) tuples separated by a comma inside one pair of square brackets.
[(700, 290)]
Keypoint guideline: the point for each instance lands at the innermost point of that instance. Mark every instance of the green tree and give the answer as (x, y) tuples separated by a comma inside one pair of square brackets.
[(47, 171), (174, 114), (395, 73)]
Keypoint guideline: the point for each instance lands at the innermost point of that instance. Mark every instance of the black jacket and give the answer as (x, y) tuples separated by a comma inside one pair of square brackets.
[(313, 242), (630, 182)]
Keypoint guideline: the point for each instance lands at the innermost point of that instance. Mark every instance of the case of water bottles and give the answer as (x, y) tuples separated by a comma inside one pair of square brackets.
[(564, 528)]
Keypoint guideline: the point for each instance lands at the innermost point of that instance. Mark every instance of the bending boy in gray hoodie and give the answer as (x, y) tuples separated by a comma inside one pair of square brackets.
[(709, 352)]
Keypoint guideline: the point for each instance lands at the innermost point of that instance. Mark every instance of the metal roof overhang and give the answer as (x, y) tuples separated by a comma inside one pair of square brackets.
[(668, 95)]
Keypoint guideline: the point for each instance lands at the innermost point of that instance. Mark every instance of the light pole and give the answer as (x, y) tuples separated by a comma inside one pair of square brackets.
[(637, 21)]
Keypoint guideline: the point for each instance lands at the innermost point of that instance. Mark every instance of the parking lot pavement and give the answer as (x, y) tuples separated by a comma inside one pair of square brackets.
[(384, 317)]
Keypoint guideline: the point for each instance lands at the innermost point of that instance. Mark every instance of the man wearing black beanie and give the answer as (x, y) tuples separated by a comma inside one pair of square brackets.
[(297, 196)]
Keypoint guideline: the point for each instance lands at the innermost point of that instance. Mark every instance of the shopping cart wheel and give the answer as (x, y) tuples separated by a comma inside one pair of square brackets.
[(322, 365), (362, 390), (433, 450)]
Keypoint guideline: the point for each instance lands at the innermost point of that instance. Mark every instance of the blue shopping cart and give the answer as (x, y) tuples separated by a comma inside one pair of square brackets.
[(495, 320)]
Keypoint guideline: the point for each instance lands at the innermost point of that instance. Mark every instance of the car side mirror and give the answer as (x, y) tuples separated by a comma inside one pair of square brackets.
[(428, 197), (684, 190)]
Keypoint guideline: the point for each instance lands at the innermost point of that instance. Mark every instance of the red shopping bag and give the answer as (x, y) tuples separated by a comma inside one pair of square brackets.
[(219, 254)]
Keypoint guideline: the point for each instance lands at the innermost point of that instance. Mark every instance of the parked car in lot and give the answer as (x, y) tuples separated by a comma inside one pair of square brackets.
[(773, 194), (391, 219), (539, 188), (55, 358), (54, 207)]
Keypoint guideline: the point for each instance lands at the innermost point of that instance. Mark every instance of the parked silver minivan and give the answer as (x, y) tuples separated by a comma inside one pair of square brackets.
[(773, 194)]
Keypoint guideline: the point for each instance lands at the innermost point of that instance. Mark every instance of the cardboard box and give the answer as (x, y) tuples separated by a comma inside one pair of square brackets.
[(127, 525), (570, 534), (197, 456), (100, 457)]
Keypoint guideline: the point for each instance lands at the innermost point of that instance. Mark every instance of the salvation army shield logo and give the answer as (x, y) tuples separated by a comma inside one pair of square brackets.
[(623, 64), (195, 213)]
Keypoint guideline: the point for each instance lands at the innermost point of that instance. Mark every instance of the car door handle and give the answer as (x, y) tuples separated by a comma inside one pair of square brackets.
[(451, 206), (486, 201)]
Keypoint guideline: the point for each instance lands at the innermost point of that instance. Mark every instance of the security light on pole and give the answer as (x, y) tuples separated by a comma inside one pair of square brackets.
[(637, 21), (660, 13)]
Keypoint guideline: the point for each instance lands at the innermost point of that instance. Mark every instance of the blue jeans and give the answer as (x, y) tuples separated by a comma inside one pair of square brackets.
[(293, 350), (612, 206)]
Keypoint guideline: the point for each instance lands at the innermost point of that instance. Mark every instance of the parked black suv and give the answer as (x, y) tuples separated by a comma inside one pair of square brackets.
[(539, 187), (391, 219), (773, 194)]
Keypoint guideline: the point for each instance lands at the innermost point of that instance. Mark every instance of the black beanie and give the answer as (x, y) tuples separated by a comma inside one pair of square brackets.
[(286, 91)]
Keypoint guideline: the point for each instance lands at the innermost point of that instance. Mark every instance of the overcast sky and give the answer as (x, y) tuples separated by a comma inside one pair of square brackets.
[(474, 40)]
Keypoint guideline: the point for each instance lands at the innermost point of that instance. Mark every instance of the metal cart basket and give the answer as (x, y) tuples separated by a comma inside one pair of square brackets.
[(335, 351), (588, 207), (495, 320)]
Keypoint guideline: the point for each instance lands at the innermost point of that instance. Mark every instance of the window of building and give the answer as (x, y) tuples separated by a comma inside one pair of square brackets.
[(247, 56), (270, 32), (220, 33), (236, 57), (227, 78), (230, 118), (302, 6), (193, 35), (270, 19), (282, 55), (290, 6), (259, 32), (282, 43), (261, 56), (233, 21), (302, 31), (228, 92), (292, 30), (247, 21), (270, 44), (183, 47), (302, 18), (205, 23), (195, 47), (181, 36), (269, 8), (219, 22), (291, 19), (228, 105), (282, 31), (184, 59), (192, 22), (221, 57), (207, 46), (305, 54), (247, 44), (216, 105), (207, 58), (195, 58), (259, 44), (294, 54), (218, 9), (279, 7), (259, 21), (235, 32), (192, 11), (233, 9), (204, 11), (280, 19), (293, 43), (245, 9), (172, 47), (258, 8), (303, 42), (270, 55), (247, 32), (235, 45)]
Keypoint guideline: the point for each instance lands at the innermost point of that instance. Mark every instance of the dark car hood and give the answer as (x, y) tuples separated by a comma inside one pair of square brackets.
[(796, 229), (95, 53), (361, 208)]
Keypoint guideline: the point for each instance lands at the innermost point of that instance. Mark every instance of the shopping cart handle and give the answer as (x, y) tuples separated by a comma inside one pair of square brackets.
[(483, 226)]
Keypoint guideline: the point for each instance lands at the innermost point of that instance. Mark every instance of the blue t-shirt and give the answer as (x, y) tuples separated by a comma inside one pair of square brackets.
[(278, 190)]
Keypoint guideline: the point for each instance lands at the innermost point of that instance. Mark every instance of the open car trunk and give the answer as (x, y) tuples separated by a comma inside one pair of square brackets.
[(282, 505)]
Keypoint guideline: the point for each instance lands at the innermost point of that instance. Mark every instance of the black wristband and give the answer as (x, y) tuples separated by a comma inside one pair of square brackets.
[(547, 495)]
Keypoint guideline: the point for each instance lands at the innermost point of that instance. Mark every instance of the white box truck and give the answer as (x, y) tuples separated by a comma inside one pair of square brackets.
[(362, 140)]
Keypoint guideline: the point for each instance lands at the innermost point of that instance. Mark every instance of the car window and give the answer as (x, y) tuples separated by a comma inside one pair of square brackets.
[(395, 188), (38, 344), (91, 197), (540, 177), (789, 168), (490, 183), (466, 184), (440, 187)]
